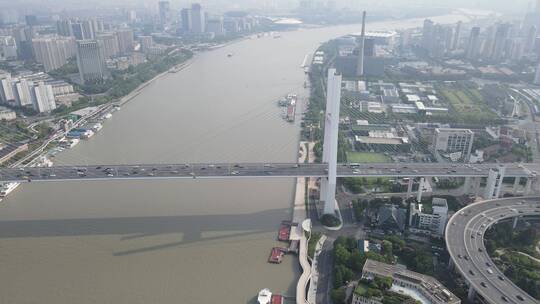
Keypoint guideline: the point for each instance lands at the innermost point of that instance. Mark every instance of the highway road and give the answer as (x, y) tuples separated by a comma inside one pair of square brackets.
[(465, 243), (208, 170)]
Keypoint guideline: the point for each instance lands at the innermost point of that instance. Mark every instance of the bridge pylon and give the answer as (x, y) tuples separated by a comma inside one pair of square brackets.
[(330, 144)]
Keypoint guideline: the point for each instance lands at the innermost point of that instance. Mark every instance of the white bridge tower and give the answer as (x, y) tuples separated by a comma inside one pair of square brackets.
[(330, 144)]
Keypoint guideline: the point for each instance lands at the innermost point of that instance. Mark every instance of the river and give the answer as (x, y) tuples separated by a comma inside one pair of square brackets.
[(176, 241)]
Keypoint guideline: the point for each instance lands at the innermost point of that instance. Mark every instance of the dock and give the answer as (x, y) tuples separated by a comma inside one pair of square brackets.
[(284, 235), (277, 299), (284, 231), (276, 255)]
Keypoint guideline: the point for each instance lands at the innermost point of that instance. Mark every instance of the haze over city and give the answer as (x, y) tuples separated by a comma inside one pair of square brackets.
[(257, 151)]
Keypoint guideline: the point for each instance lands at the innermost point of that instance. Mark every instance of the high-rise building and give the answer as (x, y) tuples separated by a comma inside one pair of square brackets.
[(517, 49), (450, 140), (8, 16), (146, 43), (531, 38), (361, 48), (31, 20), (23, 95), (215, 25), (500, 42), (457, 37), (111, 47), (185, 15), (43, 98), (84, 30), (6, 89), (131, 16), (23, 38), (473, 46), (125, 40), (537, 75), (164, 12), (78, 31), (198, 22), (428, 35), (63, 28), (8, 48), (88, 29), (91, 61), (53, 52)]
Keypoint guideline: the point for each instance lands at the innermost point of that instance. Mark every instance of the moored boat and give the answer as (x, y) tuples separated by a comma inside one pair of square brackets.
[(265, 296)]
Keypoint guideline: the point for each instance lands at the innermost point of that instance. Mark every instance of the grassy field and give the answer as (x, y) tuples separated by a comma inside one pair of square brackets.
[(367, 157), (468, 104)]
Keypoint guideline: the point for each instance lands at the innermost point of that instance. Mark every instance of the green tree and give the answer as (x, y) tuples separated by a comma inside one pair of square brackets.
[(338, 296), (341, 254)]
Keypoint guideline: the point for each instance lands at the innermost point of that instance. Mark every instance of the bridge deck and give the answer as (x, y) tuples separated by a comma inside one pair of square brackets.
[(227, 170)]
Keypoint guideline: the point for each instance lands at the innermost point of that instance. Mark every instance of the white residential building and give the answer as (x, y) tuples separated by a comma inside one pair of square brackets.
[(434, 222), (8, 48), (44, 98), (450, 140), (54, 51), (6, 90), (22, 88)]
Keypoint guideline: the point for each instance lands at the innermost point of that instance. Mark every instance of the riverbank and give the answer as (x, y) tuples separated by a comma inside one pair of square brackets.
[(177, 68)]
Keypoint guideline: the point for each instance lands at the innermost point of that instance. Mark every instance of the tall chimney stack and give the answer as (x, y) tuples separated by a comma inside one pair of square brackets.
[(360, 65)]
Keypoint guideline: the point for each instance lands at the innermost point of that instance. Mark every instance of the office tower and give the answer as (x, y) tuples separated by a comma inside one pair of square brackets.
[(450, 140), (531, 38), (91, 61), (31, 20), (428, 35), (500, 42), (164, 12), (517, 49), (53, 52), (146, 43), (111, 47), (457, 33), (361, 47), (8, 48), (131, 16), (198, 21), (537, 75), (185, 15), (43, 100), (215, 25), (125, 40), (23, 38), (63, 28), (473, 45)]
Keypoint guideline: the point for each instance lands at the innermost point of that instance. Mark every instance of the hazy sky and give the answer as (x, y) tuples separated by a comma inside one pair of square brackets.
[(505, 6)]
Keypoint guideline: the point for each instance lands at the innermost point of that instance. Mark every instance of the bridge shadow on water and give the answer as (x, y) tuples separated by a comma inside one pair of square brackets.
[(191, 227)]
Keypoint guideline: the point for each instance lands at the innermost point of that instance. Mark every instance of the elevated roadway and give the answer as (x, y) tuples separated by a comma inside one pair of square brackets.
[(230, 170), (465, 242)]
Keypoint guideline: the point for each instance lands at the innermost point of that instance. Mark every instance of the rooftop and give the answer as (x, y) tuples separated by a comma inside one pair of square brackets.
[(439, 294)]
